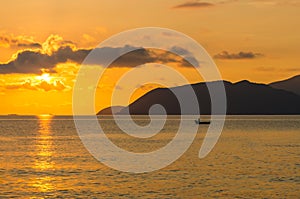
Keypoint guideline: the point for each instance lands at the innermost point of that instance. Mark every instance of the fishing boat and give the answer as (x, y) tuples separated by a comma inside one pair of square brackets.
[(200, 122)]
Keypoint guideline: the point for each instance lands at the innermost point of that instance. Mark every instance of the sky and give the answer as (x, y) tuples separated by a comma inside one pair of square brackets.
[(43, 44)]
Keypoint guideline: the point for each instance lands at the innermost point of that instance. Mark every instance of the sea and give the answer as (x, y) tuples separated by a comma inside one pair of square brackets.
[(255, 157)]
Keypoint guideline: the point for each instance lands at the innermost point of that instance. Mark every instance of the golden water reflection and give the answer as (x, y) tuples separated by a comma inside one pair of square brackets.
[(44, 152)]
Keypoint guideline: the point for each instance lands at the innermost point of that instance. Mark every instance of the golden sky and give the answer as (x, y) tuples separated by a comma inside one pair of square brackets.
[(42, 43)]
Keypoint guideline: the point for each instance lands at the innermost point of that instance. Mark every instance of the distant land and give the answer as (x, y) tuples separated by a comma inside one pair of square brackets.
[(110, 110), (243, 98), (292, 84)]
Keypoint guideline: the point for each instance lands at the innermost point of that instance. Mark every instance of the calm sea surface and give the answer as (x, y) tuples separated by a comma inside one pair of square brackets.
[(255, 157)]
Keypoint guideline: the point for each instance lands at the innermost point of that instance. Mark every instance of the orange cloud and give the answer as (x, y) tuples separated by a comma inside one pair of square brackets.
[(54, 43), (57, 85), (53, 51), (21, 41)]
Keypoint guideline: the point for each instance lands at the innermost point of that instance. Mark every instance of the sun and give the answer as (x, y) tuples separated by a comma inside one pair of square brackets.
[(44, 77)]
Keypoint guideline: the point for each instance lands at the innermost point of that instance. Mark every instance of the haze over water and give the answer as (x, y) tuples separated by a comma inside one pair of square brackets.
[(255, 157)]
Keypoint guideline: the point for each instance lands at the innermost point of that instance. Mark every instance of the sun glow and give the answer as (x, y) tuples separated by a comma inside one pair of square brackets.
[(45, 116), (44, 77)]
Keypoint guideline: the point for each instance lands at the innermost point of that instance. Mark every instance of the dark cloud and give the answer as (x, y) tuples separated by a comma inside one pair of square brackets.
[(101, 56), (144, 56), (34, 61), (135, 58), (30, 45), (29, 61), (180, 51), (189, 62), (240, 55), (20, 42), (194, 4), (188, 59)]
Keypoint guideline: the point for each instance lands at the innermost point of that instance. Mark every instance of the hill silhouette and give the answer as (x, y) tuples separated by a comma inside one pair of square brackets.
[(291, 84), (243, 97), (110, 110)]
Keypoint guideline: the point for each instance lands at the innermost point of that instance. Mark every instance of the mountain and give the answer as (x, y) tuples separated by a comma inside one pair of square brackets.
[(292, 85), (243, 97), (110, 110)]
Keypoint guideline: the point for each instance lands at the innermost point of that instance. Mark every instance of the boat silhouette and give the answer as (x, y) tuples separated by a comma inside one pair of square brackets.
[(200, 122)]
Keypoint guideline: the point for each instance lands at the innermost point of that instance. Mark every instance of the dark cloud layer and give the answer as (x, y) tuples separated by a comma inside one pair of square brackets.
[(139, 56), (33, 61), (194, 4), (29, 61), (240, 55)]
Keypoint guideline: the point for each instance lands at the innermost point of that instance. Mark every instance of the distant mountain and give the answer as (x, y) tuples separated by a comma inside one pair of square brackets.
[(292, 85), (110, 110), (242, 98)]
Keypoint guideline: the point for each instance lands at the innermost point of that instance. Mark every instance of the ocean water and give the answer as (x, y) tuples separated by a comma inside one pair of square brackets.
[(255, 157)]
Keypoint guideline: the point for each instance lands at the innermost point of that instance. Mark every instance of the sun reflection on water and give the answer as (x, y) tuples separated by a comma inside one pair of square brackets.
[(44, 153)]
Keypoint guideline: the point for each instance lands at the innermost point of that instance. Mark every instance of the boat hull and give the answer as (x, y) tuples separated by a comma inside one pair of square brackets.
[(197, 122)]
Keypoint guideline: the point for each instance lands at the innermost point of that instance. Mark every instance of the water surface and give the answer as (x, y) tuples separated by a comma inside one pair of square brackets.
[(255, 157)]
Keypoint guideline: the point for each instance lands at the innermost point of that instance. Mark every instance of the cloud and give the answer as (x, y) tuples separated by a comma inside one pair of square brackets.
[(23, 85), (46, 59), (8, 41), (240, 55), (47, 55), (29, 45), (188, 57), (194, 4), (54, 43), (34, 61), (57, 85), (262, 3), (179, 50), (139, 56)]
